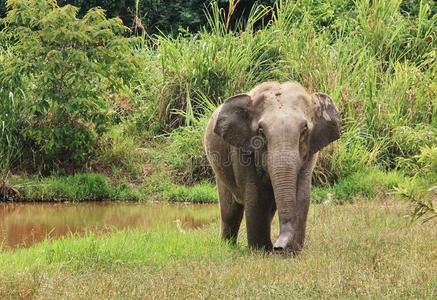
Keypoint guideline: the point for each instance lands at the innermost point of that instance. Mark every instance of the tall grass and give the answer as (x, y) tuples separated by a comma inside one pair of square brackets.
[(10, 119), (378, 64)]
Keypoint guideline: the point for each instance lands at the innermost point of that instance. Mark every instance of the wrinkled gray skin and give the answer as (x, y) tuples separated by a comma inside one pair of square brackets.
[(262, 147)]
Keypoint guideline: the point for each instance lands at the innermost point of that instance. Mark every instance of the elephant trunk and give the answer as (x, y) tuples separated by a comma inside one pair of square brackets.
[(283, 169)]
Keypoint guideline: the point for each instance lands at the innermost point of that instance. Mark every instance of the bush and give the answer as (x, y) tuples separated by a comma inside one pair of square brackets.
[(66, 66), (421, 192), (409, 140), (168, 16), (125, 191)]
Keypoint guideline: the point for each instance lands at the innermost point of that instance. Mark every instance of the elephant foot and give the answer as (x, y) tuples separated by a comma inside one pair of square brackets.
[(286, 244), (286, 237), (283, 242)]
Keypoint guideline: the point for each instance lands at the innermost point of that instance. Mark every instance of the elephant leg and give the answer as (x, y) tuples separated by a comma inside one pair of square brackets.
[(231, 213), (259, 211), (303, 202)]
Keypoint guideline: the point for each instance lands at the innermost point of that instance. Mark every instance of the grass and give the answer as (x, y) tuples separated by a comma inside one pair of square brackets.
[(77, 187), (374, 61), (368, 183), (95, 186), (204, 192), (361, 250)]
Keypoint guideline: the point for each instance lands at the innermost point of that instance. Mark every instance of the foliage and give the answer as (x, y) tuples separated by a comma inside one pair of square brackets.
[(66, 67), (125, 191), (423, 198), (184, 152), (421, 189), (413, 146), (169, 16), (208, 67), (165, 16), (77, 187), (2, 8), (366, 184)]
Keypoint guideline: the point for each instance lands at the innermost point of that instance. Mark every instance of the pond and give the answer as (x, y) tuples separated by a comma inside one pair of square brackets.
[(24, 224)]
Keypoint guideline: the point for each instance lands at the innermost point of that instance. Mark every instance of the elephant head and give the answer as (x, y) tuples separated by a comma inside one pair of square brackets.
[(292, 126)]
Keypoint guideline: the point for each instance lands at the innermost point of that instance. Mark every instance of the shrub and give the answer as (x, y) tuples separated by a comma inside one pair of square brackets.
[(66, 66), (367, 184), (409, 140)]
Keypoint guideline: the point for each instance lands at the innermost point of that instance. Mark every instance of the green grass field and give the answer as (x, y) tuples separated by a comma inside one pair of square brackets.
[(361, 250)]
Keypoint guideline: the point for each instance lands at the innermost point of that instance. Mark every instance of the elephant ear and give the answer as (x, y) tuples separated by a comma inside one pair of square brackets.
[(233, 121), (326, 126)]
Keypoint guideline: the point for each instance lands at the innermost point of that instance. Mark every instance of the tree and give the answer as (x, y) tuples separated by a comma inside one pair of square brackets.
[(65, 66)]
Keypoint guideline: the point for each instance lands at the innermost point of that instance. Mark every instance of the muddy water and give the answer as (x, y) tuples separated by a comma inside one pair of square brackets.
[(22, 225)]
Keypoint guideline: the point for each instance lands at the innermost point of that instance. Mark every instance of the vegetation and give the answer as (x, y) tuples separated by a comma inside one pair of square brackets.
[(80, 187), (69, 69), (83, 94), (363, 250), (170, 16)]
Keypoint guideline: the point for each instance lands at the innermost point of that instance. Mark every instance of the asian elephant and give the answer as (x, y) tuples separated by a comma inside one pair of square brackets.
[(262, 147)]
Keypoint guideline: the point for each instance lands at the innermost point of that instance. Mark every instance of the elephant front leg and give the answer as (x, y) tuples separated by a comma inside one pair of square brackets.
[(259, 210)]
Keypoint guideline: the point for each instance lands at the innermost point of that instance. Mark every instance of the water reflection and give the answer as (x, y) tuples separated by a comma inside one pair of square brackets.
[(22, 225)]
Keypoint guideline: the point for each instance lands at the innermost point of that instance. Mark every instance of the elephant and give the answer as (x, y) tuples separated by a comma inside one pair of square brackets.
[(262, 147)]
